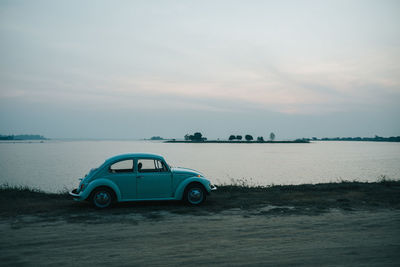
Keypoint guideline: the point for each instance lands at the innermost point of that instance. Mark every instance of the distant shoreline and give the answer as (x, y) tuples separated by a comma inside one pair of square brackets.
[(356, 139), (238, 142), (23, 137)]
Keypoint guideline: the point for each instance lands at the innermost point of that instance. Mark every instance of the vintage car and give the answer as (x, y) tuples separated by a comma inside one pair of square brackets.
[(140, 177)]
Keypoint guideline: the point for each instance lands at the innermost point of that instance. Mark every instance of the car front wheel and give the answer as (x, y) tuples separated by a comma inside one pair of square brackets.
[(195, 195), (102, 198)]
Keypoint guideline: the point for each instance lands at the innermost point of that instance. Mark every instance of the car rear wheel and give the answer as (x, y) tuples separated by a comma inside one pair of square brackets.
[(194, 194), (102, 198)]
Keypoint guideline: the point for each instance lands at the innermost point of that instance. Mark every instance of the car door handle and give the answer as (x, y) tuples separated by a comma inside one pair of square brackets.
[(140, 176)]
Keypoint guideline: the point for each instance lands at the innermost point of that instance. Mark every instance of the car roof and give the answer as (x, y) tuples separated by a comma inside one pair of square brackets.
[(134, 155)]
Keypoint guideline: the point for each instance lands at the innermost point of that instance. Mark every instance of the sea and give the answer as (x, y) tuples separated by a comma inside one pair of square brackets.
[(56, 165)]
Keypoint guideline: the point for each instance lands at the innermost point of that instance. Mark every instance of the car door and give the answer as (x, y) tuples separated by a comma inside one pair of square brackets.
[(153, 180), (123, 175)]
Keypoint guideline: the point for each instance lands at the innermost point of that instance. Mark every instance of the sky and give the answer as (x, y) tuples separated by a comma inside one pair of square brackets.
[(136, 69)]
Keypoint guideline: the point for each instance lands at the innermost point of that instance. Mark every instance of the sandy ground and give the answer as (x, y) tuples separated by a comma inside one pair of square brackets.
[(354, 230), (233, 237)]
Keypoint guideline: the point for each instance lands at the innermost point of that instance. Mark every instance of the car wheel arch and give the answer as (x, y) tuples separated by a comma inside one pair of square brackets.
[(103, 187), (190, 185), (179, 191), (103, 197), (95, 184), (195, 183)]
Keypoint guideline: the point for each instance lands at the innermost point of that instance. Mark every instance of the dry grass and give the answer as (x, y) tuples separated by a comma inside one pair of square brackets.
[(305, 199)]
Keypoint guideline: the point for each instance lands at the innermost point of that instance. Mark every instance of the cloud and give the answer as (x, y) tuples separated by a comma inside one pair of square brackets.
[(302, 58)]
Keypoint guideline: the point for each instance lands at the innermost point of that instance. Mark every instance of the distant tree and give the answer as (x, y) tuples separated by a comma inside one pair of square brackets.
[(197, 136), (260, 139), (272, 136), (239, 137), (248, 137), (232, 137)]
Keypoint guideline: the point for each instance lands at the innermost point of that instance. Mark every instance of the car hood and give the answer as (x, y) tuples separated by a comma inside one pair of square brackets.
[(180, 170)]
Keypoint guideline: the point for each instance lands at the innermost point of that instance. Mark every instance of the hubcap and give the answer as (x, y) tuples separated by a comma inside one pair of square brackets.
[(102, 198), (195, 196)]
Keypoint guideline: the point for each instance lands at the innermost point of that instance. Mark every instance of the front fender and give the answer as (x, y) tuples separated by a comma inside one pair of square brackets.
[(181, 188), (100, 182)]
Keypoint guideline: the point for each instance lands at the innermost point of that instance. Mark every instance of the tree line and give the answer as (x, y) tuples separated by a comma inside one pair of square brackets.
[(249, 137), (198, 137), (23, 137)]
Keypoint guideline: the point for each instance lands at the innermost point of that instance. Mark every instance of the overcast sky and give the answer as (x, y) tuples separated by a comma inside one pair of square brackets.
[(134, 69)]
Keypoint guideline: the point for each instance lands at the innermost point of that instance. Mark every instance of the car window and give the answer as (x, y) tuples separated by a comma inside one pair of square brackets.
[(151, 165), (122, 166)]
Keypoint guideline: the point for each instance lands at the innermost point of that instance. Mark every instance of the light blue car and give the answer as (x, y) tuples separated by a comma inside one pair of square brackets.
[(139, 177)]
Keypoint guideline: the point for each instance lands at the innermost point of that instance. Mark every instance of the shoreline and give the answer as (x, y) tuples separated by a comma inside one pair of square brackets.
[(238, 142)]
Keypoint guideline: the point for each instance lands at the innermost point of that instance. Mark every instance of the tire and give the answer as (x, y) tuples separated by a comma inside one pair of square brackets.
[(194, 194), (102, 198)]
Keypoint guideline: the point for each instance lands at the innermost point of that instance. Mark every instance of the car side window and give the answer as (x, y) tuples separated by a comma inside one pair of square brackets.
[(151, 165), (160, 166), (122, 166)]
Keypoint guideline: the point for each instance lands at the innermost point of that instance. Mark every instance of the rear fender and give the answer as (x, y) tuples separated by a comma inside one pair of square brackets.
[(98, 183)]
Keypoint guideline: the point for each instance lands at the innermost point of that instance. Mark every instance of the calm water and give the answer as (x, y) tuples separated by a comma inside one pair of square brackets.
[(56, 165)]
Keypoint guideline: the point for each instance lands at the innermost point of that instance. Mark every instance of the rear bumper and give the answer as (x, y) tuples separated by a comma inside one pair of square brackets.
[(74, 194)]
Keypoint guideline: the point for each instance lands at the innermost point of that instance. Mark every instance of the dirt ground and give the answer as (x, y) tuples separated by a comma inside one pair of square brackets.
[(349, 224)]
